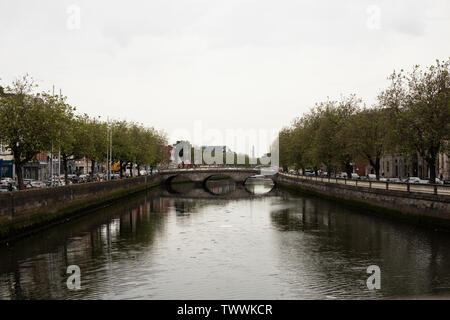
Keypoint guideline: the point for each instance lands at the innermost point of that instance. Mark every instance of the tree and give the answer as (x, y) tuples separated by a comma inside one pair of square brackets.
[(71, 138), (333, 134), (121, 144), (94, 142), (419, 102), (25, 119), (370, 130)]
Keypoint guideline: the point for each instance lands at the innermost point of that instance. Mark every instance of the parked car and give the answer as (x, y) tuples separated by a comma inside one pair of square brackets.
[(439, 181), (416, 180), (355, 176), (342, 175), (372, 177), (55, 182), (6, 180), (32, 184), (383, 179), (309, 173), (396, 180), (4, 188), (82, 178), (37, 184)]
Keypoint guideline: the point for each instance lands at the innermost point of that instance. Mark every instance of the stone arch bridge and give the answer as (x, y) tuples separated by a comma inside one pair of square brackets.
[(202, 175)]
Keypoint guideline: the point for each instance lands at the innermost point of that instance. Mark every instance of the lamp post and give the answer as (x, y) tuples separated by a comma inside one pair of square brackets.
[(109, 149)]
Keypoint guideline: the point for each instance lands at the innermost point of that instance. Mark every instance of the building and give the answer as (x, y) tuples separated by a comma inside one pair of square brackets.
[(82, 166), (397, 166), (37, 169), (363, 167), (6, 162), (444, 166)]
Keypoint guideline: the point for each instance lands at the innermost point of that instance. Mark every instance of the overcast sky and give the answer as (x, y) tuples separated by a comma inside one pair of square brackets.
[(231, 64)]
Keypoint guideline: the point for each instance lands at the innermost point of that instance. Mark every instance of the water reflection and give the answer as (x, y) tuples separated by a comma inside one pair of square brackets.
[(164, 246)]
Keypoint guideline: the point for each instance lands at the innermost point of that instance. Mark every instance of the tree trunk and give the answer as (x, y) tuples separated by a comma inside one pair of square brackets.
[(348, 170), (375, 165), (19, 174), (121, 168), (139, 170), (66, 178), (377, 168), (92, 169), (131, 170), (432, 165)]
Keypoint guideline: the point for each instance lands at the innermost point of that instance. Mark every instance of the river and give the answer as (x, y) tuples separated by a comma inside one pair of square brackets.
[(228, 242)]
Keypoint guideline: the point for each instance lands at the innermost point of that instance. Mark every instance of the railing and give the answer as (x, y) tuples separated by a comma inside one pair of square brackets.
[(385, 185)]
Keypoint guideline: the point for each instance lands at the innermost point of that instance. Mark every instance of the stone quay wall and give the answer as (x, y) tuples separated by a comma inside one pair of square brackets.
[(26, 211), (432, 209)]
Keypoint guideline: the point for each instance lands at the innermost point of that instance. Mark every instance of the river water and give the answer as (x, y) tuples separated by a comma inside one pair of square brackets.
[(228, 242)]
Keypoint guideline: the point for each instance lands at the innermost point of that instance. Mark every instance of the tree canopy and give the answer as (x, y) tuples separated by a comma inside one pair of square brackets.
[(32, 122), (411, 117)]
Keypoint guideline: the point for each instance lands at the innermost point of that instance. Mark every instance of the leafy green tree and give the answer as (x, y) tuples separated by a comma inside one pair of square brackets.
[(25, 121), (71, 138), (370, 129), (419, 102), (122, 148), (94, 141)]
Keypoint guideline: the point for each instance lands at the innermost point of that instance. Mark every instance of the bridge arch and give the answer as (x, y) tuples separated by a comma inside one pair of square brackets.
[(209, 188), (168, 183), (203, 175), (269, 191)]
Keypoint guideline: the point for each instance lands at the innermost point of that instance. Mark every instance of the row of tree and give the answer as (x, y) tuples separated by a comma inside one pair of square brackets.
[(34, 122), (411, 117)]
